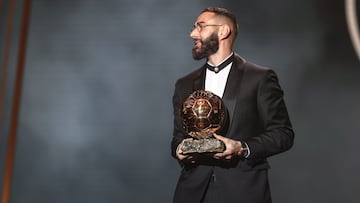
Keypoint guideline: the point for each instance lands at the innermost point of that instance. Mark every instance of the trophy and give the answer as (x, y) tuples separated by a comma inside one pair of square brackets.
[(202, 114)]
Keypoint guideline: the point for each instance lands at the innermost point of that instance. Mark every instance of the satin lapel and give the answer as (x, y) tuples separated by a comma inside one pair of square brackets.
[(199, 81), (233, 86)]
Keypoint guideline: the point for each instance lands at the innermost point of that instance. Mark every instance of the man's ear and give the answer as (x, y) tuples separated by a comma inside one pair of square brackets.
[(224, 32)]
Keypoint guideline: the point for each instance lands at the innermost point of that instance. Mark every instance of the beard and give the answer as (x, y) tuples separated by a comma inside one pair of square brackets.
[(208, 47)]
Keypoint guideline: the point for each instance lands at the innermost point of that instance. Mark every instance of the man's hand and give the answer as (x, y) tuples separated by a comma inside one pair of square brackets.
[(233, 148), (184, 157)]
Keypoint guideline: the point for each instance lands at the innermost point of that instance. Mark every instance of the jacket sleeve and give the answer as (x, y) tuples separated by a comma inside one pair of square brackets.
[(278, 135), (178, 132)]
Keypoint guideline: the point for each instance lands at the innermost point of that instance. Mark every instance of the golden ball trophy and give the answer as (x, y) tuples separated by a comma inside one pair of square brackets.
[(202, 114)]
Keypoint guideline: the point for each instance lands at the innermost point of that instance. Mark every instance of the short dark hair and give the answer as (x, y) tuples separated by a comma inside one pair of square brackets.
[(226, 13)]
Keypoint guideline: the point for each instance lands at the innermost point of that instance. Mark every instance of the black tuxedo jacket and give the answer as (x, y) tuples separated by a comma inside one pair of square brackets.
[(257, 115)]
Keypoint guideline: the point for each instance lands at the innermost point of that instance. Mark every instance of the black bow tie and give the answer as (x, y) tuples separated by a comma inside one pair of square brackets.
[(218, 68)]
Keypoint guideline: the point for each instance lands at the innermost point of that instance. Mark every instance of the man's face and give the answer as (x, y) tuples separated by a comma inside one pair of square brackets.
[(203, 48), (205, 36)]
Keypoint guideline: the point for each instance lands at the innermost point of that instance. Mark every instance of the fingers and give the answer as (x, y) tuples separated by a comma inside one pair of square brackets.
[(189, 158), (227, 141), (232, 148), (219, 137), (227, 157), (180, 155), (227, 154), (184, 156), (179, 151)]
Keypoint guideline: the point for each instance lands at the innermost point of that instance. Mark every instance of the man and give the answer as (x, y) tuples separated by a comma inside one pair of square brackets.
[(258, 127)]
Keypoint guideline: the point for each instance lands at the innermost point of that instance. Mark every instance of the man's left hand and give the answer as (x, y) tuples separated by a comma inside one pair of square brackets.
[(233, 148)]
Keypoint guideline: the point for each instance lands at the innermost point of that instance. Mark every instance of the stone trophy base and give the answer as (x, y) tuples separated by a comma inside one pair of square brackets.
[(206, 145)]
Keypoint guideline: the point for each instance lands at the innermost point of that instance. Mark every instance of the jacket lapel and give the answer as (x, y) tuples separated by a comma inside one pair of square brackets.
[(233, 86), (199, 80)]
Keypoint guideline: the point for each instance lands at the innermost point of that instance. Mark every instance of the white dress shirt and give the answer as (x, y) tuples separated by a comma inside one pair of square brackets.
[(216, 82)]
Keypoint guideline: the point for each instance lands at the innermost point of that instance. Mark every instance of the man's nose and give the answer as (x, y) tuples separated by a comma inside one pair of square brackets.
[(193, 33)]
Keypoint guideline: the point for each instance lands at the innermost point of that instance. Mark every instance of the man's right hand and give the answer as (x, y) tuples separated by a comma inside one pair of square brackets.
[(184, 157)]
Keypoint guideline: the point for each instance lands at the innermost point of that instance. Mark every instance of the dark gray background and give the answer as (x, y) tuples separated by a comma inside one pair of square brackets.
[(96, 114)]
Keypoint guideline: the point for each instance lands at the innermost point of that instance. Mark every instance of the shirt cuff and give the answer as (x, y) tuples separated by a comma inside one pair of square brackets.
[(246, 154)]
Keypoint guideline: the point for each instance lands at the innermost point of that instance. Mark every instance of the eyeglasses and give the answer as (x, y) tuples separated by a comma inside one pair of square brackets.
[(200, 26)]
